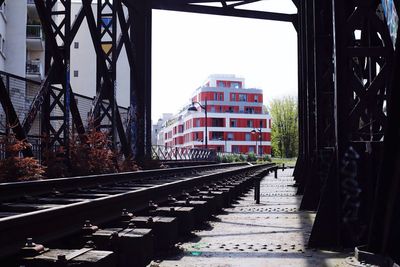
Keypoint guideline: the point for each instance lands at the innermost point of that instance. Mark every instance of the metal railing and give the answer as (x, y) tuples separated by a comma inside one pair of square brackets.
[(22, 92), (34, 31), (166, 153)]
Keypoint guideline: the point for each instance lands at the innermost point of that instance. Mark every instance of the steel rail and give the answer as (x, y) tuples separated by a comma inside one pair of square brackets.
[(54, 223), (10, 191)]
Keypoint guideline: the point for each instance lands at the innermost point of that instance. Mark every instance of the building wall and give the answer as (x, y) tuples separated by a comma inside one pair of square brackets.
[(3, 32), (16, 14), (83, 63)]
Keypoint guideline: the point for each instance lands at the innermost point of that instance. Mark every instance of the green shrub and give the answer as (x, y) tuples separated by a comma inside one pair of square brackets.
[(267, 158), (251, 157)]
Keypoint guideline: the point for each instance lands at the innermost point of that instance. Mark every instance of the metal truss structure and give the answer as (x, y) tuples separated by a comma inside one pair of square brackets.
[(348, 167)]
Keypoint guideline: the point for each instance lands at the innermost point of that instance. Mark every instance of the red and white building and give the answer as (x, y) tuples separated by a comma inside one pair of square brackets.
[(233, 112)]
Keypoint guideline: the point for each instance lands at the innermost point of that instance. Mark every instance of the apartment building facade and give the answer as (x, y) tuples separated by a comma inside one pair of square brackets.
[(237, 120)]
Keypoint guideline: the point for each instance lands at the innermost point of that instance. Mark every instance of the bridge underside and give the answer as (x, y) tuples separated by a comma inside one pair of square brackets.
[(348, 167)]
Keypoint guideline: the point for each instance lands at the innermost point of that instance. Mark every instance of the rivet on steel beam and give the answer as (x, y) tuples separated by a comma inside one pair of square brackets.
[(89, 244), (171, 198), (61, 258), (31, 249), (88, 228), (196, 190), (29, 243)]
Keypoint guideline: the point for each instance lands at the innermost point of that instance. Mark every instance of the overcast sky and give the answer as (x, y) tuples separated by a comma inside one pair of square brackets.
[(188, 47)]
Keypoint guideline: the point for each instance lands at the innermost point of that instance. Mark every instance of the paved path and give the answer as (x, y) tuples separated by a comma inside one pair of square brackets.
[(273, 233)]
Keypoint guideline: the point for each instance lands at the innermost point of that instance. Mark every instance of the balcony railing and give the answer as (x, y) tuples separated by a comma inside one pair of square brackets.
[(34, 31), (33, 67)]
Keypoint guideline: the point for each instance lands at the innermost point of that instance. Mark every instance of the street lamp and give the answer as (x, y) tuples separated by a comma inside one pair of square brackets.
[(193, 108), (259, 131)]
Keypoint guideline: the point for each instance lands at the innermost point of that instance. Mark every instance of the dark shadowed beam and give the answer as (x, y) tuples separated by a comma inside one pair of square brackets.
[(12, 117), (140, 98), (45, 85), (124, 40), (76, 24), (384, 231), (95, 36), (296, 3), (174, 6)]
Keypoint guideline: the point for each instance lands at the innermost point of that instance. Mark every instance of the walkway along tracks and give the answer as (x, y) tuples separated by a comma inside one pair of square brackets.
[(63, 220)]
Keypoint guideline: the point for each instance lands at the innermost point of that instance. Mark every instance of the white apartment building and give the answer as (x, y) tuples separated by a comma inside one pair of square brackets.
[(83, 63), (237, 120), (156, 138)]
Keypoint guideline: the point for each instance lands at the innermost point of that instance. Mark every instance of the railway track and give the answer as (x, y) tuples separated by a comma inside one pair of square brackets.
[(51, 210)]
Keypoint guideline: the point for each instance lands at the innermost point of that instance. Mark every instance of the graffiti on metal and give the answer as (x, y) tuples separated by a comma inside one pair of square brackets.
[(392, 18)]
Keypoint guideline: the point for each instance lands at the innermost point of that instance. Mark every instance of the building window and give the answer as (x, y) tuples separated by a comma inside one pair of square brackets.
[(197, 122), (215, 96), (217, 122), (233, 97), (212, 108), (230, 110), (217, 136), (256, 98), (220, 84), (243, 97), (230, 136), (235, 85), (250, 124), (220, 108), (233, 123), (235, 149), (76, 45), (248, 137), (250, 110), (76, 73), (221, 96), (251, 149)]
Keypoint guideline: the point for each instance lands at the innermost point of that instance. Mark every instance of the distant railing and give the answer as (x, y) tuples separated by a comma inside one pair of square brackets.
[(165, 153), (34, 141), (34, 31)]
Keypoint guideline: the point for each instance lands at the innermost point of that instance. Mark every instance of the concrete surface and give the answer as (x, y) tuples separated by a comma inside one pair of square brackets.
[(273, 233)]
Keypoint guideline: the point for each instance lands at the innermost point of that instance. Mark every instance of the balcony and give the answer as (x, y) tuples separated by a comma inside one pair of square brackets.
[(34, 69), (34, 32), (34, 38)]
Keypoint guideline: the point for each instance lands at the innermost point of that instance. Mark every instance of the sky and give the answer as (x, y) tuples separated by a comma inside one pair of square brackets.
[(188, 47)]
